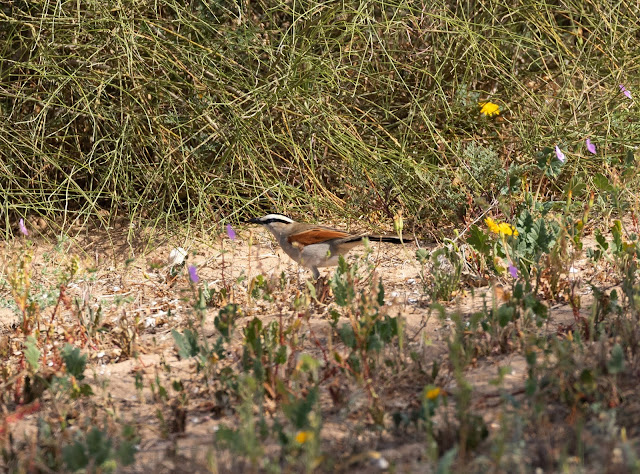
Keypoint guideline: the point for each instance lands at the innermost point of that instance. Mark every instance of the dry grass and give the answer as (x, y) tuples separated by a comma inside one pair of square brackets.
[(175, 112)]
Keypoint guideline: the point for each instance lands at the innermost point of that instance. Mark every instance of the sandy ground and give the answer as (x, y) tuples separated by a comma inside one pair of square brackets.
[(141, 305)]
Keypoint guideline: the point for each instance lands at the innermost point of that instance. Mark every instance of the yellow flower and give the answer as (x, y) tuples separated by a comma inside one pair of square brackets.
[(432, 394), (491, 224), (489, 109), (507, 229), (502, 228), (304, 436)]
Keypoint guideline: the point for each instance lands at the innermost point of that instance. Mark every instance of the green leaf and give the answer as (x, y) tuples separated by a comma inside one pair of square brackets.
[(601, 182), (374, 343), (347, 335), (616, 231), (354, 363), (252, 335), (548, 162), (343, 268), (518, 291), (615, 365), (298, 409), (576, 186), (307, 363), (435, 369), (587, 378), (74, 361), (99, 446), (75, 457), (538, 238), (479, 240), (531, 358), (187, 343), (602, 241), (537, 306), (260, 288), (281, 355), (84, 390), (530, 386), (126, 453), (505, 314), (229, 437), (380, 293), (225, 320), (555, 168), (343, 290), (524, 223), (543, 157), (32, 353), (385, 330), (422, 255), (445, 464)]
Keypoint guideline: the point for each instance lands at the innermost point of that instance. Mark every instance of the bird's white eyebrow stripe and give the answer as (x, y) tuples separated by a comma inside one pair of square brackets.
[(269, 218)]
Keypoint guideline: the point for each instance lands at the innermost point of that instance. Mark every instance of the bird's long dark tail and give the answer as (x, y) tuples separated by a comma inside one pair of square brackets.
[(377, 238)]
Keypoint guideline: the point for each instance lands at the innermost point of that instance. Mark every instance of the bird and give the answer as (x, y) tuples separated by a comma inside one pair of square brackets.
[(314, 246)]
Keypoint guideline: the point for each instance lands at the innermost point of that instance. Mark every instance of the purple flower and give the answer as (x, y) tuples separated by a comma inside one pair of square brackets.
[(559, 154), (625, 91), (193, 274), (513, 270), (230, 232), (23, 228), (591, 147)]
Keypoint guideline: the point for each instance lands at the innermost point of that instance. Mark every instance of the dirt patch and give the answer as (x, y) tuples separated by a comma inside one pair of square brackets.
[(121, 309)]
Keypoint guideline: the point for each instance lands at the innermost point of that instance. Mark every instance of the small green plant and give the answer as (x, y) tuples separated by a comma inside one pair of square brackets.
[(446, 265), (75, 364), (191, 344), (431, 399), (264, 351), (300, 437), (367, 334), (470, 428), (247, 439), (96, 450), (536, 250), (260, 289), (57, 370), (484, 175)]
